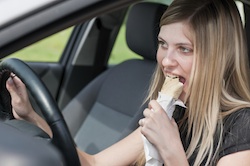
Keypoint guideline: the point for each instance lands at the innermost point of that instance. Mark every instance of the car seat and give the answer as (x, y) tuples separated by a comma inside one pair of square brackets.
[(109, 107)]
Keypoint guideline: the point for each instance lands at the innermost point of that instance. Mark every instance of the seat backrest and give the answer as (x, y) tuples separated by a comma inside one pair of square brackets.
[(105, 110)]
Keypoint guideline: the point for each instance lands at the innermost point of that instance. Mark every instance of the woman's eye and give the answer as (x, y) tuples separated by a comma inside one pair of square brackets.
[(185, 50), (162, 44)]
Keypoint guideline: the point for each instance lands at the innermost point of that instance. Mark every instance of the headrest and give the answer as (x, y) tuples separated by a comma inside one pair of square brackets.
[(142, 28)]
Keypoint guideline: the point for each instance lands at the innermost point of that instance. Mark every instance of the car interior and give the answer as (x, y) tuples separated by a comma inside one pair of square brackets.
[(105, 110), (107, 103), (109, 107)]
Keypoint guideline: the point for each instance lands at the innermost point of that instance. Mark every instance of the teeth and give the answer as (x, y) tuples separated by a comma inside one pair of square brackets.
[(172, 76)]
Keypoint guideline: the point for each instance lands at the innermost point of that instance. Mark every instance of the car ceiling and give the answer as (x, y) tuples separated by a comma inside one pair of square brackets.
[(11, 10), (56, 17)]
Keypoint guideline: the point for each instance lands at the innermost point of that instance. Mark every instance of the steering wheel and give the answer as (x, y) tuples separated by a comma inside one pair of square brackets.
[(49, 108)]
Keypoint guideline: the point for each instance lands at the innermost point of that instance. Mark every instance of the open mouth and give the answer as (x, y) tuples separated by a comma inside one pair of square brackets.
[(182, 80)]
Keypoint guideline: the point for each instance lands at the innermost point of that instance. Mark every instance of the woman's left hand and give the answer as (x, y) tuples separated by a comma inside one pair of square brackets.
[(21, 106), (162, 132)]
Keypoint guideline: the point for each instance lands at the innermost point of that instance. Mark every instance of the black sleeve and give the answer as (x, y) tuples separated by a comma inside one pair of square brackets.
[(236, 135)]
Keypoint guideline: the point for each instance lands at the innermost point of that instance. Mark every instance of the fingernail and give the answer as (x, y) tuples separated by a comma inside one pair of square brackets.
[(10, 81), (12, 75)]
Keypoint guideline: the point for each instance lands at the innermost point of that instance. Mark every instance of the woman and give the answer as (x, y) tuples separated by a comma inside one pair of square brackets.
[(203, 43)]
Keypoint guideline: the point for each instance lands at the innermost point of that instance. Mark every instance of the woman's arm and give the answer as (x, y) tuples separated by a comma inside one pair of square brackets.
[(239, 158), (235, 147), (125, 152)]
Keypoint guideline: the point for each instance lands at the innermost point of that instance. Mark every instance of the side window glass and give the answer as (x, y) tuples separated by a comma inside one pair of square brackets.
[(120, 51), (49, 49)]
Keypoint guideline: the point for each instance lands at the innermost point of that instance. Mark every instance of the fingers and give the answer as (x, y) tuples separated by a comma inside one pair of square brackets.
[(141, 122), (14, 84), (149, 116), (147, 113), (153, 109), (17, 90), (10, 85), (19, 97), (154, 105), (153, 113)]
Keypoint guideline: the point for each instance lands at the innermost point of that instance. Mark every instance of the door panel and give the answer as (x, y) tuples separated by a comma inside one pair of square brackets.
[(50, 73)]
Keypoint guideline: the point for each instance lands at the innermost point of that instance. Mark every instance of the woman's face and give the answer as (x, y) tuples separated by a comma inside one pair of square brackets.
[(175, 53)]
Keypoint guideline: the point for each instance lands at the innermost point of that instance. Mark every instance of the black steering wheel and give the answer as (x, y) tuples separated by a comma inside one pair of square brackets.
[(49, 108)]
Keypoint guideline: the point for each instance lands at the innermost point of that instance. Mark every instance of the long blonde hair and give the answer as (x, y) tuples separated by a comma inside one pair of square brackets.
[(219, 82)]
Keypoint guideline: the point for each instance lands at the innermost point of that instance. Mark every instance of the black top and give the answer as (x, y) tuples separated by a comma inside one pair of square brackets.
[(236, 134)]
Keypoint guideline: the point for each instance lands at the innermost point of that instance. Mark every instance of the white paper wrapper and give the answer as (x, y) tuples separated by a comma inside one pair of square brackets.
[(168, 103)]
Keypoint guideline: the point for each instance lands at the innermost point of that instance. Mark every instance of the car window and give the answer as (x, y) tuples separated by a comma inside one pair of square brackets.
[(120, 51), (49, 49)]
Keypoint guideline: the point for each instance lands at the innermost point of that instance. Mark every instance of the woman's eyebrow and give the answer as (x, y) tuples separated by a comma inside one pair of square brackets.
[(177, 44), (184, 44), (160, 38)]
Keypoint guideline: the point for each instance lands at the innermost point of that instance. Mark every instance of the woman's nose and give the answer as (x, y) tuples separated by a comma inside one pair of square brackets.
[(169, 59)]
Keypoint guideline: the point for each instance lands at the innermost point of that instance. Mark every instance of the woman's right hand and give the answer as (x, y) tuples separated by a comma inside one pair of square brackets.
[(164, 134), (21, 105)]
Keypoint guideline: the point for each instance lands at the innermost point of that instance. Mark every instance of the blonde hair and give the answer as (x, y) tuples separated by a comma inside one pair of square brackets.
[(219, 84)]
